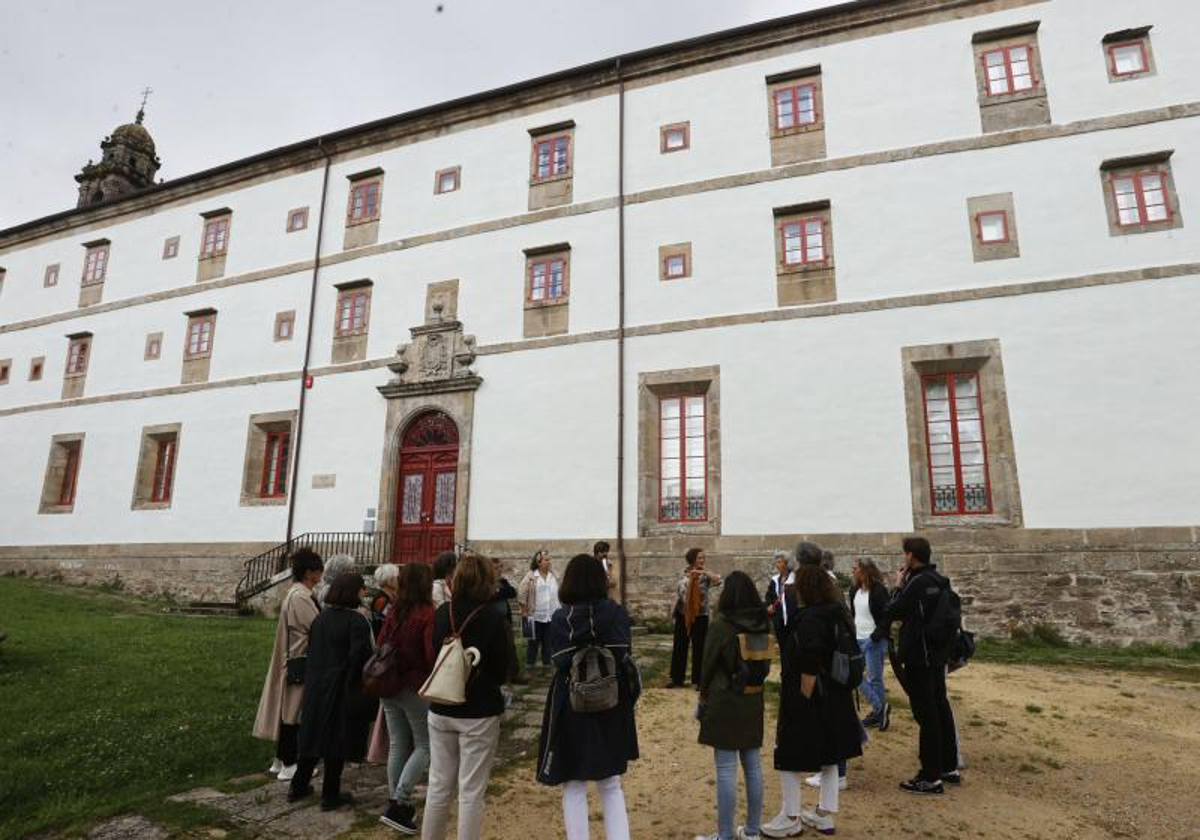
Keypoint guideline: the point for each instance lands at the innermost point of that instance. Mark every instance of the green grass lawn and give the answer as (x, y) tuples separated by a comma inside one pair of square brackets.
[(107, 705), (1178, 663)]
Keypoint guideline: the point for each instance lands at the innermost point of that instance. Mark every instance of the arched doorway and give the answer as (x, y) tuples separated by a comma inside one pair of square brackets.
[(425, 501)]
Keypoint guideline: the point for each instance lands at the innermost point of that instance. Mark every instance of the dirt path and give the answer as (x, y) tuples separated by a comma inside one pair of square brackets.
[(1052, 754)]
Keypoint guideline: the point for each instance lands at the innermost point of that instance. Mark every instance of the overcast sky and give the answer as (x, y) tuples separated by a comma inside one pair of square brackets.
[(232, 79)]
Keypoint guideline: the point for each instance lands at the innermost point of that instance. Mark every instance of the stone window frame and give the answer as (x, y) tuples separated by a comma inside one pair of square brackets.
[(652, 387), (259, 427), (221, 222), (281, 318), (77, 363), (297, 220), (665, 132), (668, 252), (37, 368), (50, 277), (170, 248), (196, 319), (350, 345), (96, 257), (62, 464), (1139, 37), (995, 204), (982, 357), (559, 252), (805, 282), (5, 371), (1138, 166), (1014, 108), (794, 80), (153, 347), (438, 177), (550, 134), (361, 181), (146, 475)]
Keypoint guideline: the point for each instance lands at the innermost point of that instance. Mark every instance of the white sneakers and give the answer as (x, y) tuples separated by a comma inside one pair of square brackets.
[(739, 835), (783, 826), (822, 823), (276, 766), (814, 781), (286, 774)]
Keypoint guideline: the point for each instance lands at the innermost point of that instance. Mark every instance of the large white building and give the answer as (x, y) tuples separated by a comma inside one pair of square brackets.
[(923, 265)]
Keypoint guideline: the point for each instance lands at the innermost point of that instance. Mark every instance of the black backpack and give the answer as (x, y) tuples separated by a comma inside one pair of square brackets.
[(847, 666), (943, 628), (751, 662)]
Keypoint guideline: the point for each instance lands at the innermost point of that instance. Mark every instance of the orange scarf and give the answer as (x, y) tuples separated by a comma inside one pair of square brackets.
[(691, 605)]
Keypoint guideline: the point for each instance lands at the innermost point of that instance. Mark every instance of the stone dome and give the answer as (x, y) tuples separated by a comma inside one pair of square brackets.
[(134, 134)]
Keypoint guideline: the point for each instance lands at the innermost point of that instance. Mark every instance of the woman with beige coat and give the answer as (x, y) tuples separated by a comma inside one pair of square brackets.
[(278, 716)]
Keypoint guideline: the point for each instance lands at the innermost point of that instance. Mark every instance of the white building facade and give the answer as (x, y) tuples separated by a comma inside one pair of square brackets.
[(919, 266)]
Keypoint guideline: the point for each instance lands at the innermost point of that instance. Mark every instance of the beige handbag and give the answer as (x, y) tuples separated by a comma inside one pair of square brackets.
[(447, 683)]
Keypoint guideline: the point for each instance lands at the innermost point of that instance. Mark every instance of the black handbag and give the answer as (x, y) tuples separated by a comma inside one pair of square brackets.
[(295, 666)]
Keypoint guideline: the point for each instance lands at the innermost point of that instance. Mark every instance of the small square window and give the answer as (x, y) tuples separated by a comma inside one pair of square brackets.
[(675, 138), (447, 180), (1128, 59), (285, 326), (675, 261), (5, 368), (676, 265), (153, 347), (993, 228), (297, 220), (171, 248), (36, 368), (51, 276)]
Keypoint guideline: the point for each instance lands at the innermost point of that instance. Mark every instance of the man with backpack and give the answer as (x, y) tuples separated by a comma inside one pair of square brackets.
[(931, 623)]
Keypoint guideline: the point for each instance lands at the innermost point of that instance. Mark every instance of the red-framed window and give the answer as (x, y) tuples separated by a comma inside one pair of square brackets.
[(95, 264), (1141, 198), (958, 469), (297, 220), (446, 180), (992, 227), (77, 356), (164, 470), (1128, 58), (1009, 70), (70, 479), (675, 265), (548, 279), (50, 278), (364, 200), (275, 465), (803, 241), (795, 106), (200, 335), (675, 138), (215, 240), (552, 157), (683, 459), (353, 308)]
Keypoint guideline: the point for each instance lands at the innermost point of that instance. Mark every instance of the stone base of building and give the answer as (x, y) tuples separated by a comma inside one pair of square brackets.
[(1100, 586)]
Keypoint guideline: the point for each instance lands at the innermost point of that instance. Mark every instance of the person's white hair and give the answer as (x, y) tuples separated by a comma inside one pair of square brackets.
[(335, 567), (387, 573)]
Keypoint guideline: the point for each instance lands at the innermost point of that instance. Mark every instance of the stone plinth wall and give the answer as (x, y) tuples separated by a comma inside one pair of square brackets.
[(1104, 586), (184, 572)]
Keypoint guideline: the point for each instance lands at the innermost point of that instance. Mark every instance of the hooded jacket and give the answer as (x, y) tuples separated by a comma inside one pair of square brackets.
[(730, 720), (910, 604)]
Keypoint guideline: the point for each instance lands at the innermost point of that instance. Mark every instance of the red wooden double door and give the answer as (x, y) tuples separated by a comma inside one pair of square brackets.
[(427, 489)]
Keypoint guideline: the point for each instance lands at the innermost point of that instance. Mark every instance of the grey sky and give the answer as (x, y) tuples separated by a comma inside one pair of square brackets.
[(232, 79)]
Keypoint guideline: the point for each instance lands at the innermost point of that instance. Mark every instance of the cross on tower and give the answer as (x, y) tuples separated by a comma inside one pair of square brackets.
[(142, 110)]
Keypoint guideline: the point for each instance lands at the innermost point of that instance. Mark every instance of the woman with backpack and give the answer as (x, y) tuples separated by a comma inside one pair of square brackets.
[(588, 729), (463, 737), (737, 657), (409, 632), (817, 726), (868, 600)]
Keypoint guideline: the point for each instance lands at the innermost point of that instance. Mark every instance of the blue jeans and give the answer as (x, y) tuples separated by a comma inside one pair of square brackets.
[(727, 765), (872, 684), (540, 632), (408, 747)]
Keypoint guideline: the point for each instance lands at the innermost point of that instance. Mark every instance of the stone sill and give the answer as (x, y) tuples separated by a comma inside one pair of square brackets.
[(150, 506), (534, 181), (55, 509), (792, 132), (1005, 98), (260, 501), (545, 304), (207, 258), (357, 222), (810, 268), (987, 520), (670, 529)]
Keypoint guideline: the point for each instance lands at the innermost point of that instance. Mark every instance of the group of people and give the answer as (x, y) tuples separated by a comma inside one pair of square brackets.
[(313, 703)]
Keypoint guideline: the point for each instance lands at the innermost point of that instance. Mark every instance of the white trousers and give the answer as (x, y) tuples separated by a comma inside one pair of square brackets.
[(461, 752), (790, 784), (612, 802)]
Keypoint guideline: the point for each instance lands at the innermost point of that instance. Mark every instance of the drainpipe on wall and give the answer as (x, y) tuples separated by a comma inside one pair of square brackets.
[(312, 306), (621, 331)]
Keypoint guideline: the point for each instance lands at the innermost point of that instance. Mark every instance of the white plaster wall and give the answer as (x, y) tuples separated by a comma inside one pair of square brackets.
[(544, 445), (1100, 388)]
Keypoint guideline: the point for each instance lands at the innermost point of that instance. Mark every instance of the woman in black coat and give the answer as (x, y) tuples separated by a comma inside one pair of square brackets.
[(817, 724), (578, 747), (339, 645)]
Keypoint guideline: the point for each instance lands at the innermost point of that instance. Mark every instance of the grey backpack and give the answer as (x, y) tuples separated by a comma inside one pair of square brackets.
[(592, 681)]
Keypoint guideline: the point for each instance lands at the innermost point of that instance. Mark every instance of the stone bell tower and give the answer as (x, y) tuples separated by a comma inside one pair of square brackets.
[(128, 163)]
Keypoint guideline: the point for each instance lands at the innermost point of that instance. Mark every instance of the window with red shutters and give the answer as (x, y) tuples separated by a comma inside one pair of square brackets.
[(66, 491), (95, 264), (164, 471), (547, 280), (215, 239), (1009, 70), (551, 157), (364, 201), (683, 460), (957, 446), (803, 241), (275, 465), (353, 307)]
